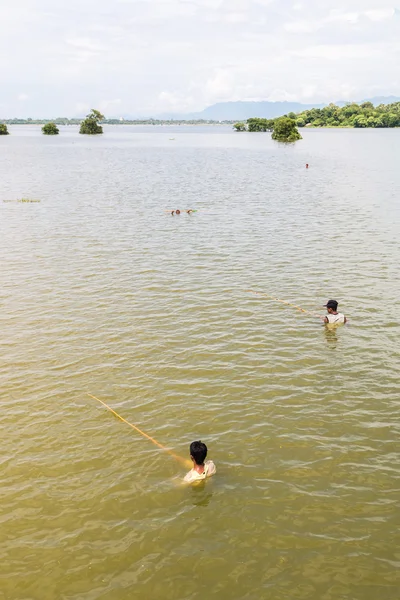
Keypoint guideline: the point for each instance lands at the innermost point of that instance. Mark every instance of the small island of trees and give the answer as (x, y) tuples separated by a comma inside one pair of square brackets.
[(283, 129), (50, 129), (3, 129), (90, 125)]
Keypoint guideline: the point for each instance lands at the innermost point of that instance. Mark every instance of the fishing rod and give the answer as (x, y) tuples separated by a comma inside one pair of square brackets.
[(303, 310), (178, 458)]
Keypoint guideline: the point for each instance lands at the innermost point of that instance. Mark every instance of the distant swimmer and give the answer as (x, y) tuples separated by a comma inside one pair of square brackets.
[(178, 212), (306, 165), (202, 468), (333, 315)]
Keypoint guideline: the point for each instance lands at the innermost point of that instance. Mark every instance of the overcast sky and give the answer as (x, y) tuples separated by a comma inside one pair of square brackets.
[(142, 57)]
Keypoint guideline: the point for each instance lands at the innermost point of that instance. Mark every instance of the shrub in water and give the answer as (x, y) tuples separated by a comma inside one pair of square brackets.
[(285, 130), (50, 129), (91, 125)]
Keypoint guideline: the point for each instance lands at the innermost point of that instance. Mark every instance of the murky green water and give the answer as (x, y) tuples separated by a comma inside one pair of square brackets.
[(103, 292)]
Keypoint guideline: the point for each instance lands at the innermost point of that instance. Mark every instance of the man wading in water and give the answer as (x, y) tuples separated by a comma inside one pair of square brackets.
[(333, 315)]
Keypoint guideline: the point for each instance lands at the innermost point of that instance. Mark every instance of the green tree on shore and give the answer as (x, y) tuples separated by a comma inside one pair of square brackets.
[(259, 124), (3, 129), (351, 115), (285, 130), (50, 129), (91, 125)]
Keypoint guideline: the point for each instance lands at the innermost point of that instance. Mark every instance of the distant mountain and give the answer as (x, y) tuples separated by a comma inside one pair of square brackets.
[(242, 110), (382, 100)]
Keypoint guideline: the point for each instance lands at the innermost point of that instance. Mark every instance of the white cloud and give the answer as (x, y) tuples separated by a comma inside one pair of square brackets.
[(220, 86), (81, 108), (334, 52), (339, 15), (380, 14), (302, 26), (279, 95), (149, 56), (109, 105), (85, 44), (175, 101), (312, 25), (236, 17)]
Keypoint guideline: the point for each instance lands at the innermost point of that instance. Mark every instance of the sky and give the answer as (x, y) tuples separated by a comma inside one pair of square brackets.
[(146, 57)]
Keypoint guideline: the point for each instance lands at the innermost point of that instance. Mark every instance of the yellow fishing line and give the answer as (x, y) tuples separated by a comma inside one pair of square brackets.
[(184, 461), (307, 312)]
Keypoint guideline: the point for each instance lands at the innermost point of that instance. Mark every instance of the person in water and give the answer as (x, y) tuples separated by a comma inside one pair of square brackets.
[(333, 315), (202, 468)]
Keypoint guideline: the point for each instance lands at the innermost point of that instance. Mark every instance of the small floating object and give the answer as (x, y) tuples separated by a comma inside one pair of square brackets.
[(171, 139)]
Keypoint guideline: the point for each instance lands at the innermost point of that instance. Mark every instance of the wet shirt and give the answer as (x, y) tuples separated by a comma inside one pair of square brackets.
[(339, 318), (193, 475)]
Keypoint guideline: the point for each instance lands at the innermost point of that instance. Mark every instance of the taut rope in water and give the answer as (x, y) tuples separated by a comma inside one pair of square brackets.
[(307, 312), (178, 458)]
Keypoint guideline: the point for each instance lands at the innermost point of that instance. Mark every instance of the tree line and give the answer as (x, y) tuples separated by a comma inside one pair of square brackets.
[(90, 125), (351, 115), (284, 128), (65, 121)]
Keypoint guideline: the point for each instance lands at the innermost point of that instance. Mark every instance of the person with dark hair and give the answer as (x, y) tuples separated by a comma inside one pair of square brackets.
[(202, 468), (333, 316)]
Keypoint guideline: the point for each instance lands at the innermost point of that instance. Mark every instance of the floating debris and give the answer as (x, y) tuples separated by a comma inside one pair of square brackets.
[(21, 200)]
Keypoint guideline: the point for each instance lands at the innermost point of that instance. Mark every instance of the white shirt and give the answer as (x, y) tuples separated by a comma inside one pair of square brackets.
[(193, 475), (339, 318)]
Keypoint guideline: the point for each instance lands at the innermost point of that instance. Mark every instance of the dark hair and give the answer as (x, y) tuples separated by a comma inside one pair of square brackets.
[(199, 452), (333, 304)]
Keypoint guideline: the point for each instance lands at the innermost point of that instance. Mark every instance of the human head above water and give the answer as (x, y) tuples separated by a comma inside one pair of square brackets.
[(332, 304), (198, 452)]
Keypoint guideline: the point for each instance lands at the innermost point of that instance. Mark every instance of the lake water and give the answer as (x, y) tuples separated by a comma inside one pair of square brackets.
[(104, 292)]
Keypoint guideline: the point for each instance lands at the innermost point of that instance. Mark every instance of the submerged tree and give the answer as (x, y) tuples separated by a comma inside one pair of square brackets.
[(285, 130), (3, 129), (239, 126), (50, 129), (91, 125)]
